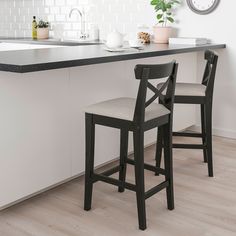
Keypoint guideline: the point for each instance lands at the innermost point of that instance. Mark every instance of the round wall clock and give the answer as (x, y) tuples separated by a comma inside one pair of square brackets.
[(203, 6)]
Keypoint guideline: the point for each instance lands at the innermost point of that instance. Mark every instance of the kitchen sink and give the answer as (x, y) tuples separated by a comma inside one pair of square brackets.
[(15, 46), (57, 42)]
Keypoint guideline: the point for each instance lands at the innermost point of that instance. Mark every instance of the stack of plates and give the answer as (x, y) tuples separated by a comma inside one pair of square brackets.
[(121, 49)]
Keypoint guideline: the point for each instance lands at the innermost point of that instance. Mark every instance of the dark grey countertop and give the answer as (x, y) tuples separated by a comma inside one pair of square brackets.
[(23, 61)]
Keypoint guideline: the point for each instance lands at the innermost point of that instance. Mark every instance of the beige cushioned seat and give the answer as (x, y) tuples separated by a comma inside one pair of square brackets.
[(188, 89), (123, 108)]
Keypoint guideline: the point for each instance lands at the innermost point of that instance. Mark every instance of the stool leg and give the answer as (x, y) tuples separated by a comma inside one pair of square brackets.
[(167, 134), (124, 135), (203, 126), (159, 147), (139, 176), (209, 137), (89, 168)]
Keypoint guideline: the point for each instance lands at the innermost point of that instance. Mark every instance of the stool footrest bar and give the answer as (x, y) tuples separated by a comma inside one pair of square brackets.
[(111, 171), (156, 189), (148, 167), (184, 134), (189, 146), (109, 180)]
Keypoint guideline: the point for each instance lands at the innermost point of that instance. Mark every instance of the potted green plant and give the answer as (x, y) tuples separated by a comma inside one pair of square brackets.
[(164, 10), (43, 30)]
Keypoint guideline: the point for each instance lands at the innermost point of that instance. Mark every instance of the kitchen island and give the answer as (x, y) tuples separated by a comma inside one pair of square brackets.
[(42, 96)]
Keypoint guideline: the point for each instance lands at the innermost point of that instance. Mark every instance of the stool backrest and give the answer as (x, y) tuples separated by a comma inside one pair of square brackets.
[(144, 73), (210, 71)]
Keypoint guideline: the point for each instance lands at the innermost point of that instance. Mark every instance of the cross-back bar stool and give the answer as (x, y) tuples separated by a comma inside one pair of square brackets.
[(202, 94), (136, 115)]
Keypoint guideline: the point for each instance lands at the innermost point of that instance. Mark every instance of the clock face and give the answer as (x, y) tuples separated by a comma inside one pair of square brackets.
[(203, 6)]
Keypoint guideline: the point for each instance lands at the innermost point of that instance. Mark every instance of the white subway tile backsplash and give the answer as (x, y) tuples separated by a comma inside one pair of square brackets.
[(60, 18), (49, 3), (124, 15), (71, 2), (55, 10), (60, 3)]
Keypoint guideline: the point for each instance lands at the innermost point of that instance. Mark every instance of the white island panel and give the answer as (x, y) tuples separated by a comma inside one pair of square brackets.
[(42, 121)]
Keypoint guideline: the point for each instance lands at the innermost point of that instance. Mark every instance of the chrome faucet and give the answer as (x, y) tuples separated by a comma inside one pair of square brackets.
[(83, 34)]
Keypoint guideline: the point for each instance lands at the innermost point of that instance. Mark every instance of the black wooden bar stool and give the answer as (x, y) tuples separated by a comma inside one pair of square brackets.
[(201, 94), (136, 115)]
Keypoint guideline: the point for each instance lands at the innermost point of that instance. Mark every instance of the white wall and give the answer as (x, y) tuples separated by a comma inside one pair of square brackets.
[(16, 15), (220, 27), (126, 15)]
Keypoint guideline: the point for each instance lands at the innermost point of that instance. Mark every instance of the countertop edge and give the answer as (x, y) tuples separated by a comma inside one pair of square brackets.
[(99, 60)]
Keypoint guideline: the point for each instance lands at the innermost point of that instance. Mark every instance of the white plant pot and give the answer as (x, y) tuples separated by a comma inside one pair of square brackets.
[(162, 34), (42, 33)]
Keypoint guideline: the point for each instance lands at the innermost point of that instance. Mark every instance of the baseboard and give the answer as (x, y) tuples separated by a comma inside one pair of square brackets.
[(217, 132), (39, 192)]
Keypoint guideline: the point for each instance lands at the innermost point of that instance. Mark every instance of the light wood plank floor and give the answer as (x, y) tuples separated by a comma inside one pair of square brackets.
[(204, 206)]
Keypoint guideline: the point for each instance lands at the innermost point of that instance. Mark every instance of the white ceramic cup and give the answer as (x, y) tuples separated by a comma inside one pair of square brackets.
[(115, 40)]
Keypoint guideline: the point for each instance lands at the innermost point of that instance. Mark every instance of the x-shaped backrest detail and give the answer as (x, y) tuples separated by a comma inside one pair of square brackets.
[(157, 92)]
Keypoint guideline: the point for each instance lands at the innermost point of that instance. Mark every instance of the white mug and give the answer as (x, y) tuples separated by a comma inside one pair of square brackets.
[(115, 40)]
